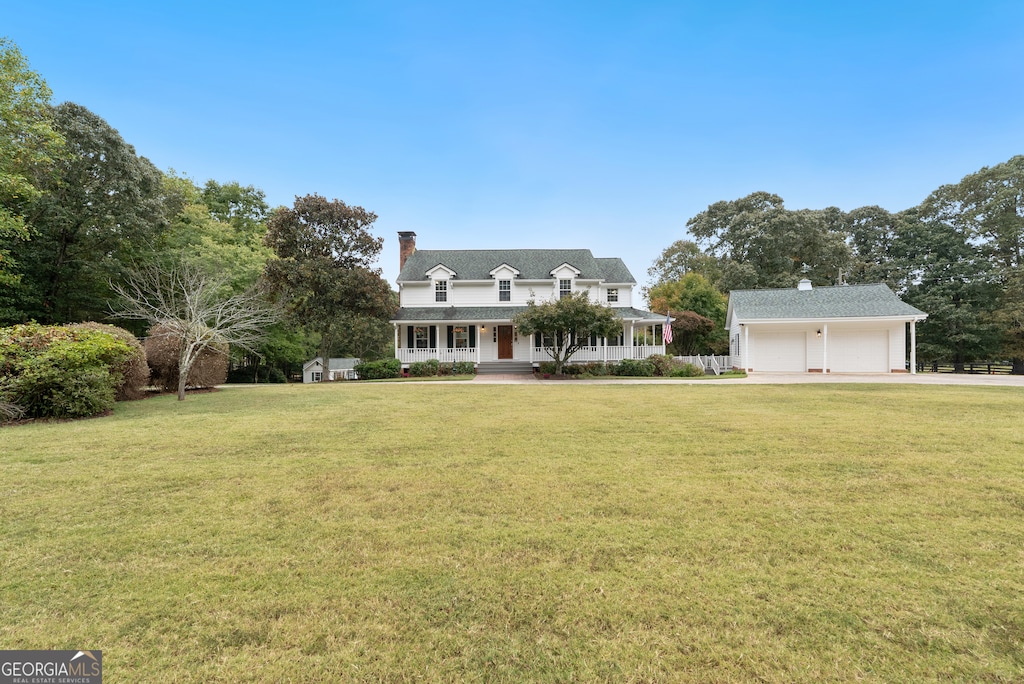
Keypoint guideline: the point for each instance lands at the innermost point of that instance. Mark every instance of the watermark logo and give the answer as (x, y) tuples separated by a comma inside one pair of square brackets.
[(51, 667)]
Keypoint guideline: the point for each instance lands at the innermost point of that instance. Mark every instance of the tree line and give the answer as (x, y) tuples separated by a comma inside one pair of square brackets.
[(956, 256), (81, 214)]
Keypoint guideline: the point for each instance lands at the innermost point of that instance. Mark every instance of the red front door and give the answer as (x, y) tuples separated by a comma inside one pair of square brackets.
[(504, 341)]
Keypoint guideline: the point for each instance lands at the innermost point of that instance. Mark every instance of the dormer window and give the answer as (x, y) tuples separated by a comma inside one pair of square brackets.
[(564, 288), (441, 291), (504, 290)]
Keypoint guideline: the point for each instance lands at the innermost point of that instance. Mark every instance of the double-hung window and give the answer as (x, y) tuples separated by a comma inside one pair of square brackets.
[(421, 336), (564, 288), (613, 294), (504, 290), (460, 337), (441, 291)]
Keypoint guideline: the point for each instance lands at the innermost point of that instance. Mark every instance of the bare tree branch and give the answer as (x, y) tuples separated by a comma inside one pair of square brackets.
[(192, 307)]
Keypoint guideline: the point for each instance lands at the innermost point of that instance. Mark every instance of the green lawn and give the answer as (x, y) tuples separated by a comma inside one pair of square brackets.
[(552, 532)]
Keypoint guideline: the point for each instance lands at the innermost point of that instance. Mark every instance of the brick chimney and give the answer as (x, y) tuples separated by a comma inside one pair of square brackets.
[(406, 246)]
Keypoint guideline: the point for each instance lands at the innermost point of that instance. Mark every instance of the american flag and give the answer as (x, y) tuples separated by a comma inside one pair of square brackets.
[(666, 330)]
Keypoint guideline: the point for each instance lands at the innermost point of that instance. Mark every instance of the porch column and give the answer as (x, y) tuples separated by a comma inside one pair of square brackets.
[(398, 354), (824, 348), (913, 347), (746, 348), (604, 349), (630, 339)]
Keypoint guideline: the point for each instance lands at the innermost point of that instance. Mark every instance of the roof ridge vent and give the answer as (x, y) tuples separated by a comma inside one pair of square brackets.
[(804, 284)]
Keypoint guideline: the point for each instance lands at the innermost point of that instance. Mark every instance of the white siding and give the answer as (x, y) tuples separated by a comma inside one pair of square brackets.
[(417, 294), (307, 373), (485, 293)]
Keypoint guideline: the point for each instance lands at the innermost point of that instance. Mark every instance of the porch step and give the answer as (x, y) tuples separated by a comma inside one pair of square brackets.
[(503, 367)]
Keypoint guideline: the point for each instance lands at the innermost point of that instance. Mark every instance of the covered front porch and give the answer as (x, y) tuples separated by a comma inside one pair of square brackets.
[(496, 341), (602, 352)]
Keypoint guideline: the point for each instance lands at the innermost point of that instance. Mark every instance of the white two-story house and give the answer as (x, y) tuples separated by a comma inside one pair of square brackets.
[(457, 305)]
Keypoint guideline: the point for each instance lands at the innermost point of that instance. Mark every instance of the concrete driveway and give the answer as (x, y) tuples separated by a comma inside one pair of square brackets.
[(775, 379)]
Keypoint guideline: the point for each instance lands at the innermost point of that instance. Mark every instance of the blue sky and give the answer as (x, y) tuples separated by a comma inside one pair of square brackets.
[(600, 125)]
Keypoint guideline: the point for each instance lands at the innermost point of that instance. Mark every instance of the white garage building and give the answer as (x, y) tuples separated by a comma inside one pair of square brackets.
[(844, 329)]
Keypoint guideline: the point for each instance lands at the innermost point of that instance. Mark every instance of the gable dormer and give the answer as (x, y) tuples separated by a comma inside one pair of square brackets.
[(504, 272), (441, 277), (565, 279), (504, 276)]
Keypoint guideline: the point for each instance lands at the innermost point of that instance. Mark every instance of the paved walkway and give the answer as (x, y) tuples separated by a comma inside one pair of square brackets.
[(773, 379)]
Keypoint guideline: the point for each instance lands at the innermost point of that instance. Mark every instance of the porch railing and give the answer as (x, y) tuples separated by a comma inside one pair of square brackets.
[(442, 355), (596, 353)]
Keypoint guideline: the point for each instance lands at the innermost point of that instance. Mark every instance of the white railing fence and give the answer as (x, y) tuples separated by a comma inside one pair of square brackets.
[(596, 353), (715, 364), (609, 354)]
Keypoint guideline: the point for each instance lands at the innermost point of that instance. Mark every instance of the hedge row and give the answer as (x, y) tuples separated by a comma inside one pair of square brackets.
[(379, 370), (433, 367), (653, 366)]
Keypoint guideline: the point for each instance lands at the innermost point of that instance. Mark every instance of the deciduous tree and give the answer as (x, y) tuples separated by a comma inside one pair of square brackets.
[(760, 243), (190, 309), (102, 211), (569, 322), (681, 258), (693, 293), (28, 147), (323, 272)]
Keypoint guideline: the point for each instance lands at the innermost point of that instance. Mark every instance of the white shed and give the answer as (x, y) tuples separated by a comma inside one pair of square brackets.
[(338, 369), (843, 329)]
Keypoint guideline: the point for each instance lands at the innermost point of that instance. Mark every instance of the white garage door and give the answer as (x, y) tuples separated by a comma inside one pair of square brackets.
[(779, 352), (863, 351)]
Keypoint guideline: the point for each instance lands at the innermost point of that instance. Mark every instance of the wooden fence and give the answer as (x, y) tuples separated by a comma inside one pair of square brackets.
[(976, 368)]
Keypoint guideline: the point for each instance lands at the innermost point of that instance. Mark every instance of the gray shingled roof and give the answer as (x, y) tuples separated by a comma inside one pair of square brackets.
[(847, 301), (532, 264), (495, 313)]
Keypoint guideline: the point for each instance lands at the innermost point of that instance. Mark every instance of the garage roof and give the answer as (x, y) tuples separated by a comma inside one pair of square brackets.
[(845, 301)]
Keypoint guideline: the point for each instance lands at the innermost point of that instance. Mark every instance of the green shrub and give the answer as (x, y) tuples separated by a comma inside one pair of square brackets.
[(573, 369), (546, 367), (60, 371), (663, 364), (688, 370), (596, 368), (635, 369), (379, 370), (445, 369), (424, 369), (463, 368), (135, 370)]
